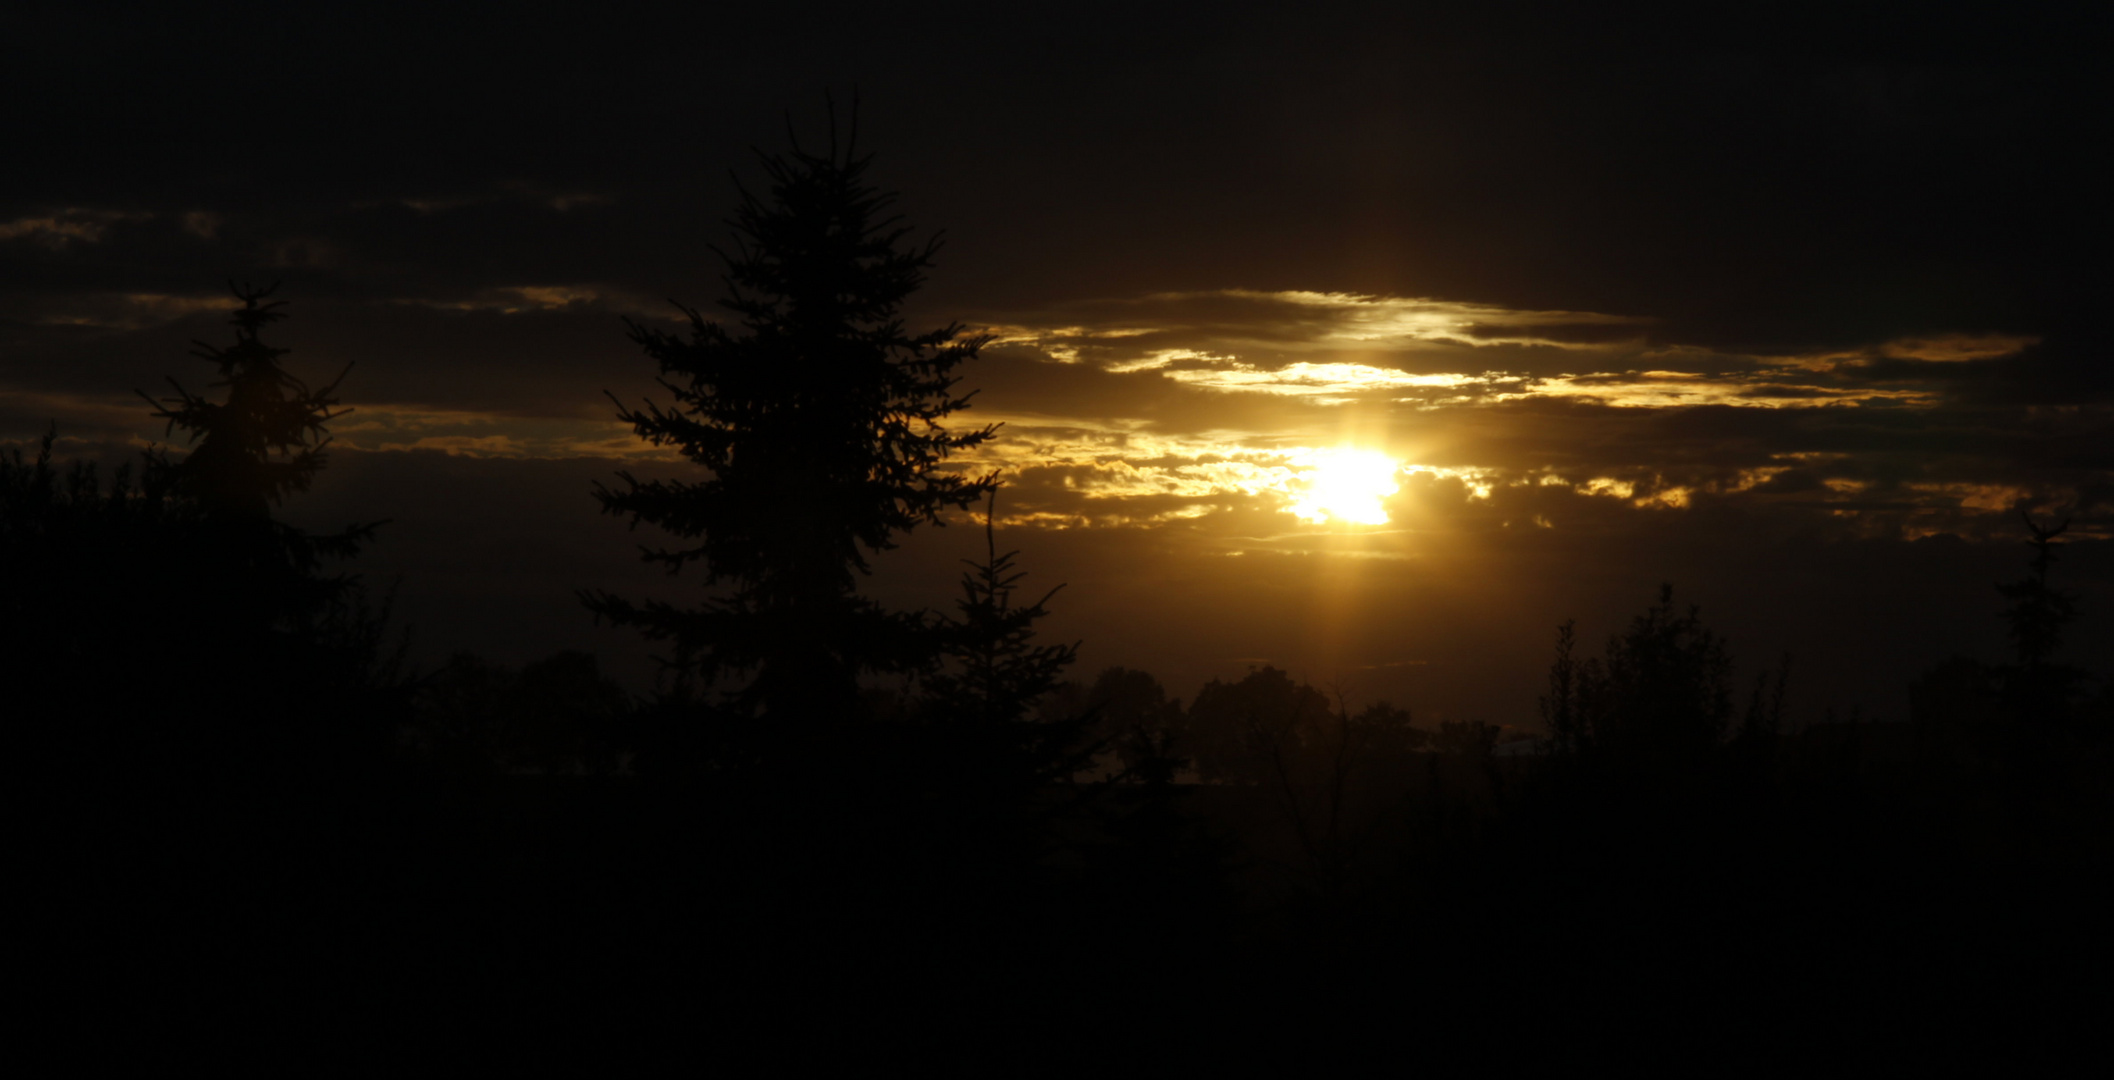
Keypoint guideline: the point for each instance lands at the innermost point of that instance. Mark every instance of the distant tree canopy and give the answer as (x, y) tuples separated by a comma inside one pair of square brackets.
[(1662, 691), (1132, 715), (1264, 728), (818, 419), (1237, 731)]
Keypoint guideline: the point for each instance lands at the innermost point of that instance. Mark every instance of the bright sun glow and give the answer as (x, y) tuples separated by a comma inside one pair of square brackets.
[(1345, 485)]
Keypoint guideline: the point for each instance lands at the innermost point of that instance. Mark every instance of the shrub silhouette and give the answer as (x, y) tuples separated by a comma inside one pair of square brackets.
[(94, 598)]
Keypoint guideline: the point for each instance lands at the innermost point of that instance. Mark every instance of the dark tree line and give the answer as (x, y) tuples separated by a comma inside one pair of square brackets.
[(835, 810)]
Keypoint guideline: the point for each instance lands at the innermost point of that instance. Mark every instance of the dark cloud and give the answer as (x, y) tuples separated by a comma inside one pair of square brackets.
[(1807, 177), (1581, 333)]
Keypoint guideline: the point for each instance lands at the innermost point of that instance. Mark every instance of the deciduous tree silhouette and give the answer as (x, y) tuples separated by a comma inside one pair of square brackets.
[(1240, 732), (1132, 714), (818, 418), (1662, 692)]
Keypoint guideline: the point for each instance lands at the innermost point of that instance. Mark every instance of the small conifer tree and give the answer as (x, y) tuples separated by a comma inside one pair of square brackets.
[(2040, 692), (284, 654), (2038, 613), (264, 442), (999, 673)]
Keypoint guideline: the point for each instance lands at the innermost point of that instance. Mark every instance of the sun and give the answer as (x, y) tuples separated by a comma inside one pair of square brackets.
[(1345, 486)]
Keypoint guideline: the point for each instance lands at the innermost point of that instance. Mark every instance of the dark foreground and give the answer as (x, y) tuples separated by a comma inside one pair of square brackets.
[(1841, 895)]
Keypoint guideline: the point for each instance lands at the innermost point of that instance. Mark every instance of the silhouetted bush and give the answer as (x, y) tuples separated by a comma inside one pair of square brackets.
[(98, 604)]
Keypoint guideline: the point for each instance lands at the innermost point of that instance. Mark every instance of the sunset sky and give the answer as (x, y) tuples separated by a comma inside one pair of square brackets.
[(1370, 342)]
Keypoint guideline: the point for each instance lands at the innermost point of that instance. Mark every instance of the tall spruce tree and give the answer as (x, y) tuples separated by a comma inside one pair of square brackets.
[(818, 418)]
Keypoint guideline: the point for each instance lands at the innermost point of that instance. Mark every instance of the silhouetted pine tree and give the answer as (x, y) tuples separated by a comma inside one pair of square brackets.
[(983, 698), (818, 418), (264, 442), (1560, 709), (286, 649), (2038, 613), (184, 685), (2040, 692), (996, 672), (173, 589), (1967, 707)]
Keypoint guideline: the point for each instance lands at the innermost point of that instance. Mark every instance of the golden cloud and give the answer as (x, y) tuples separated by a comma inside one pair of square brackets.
[(63, 228), (121, 311)]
